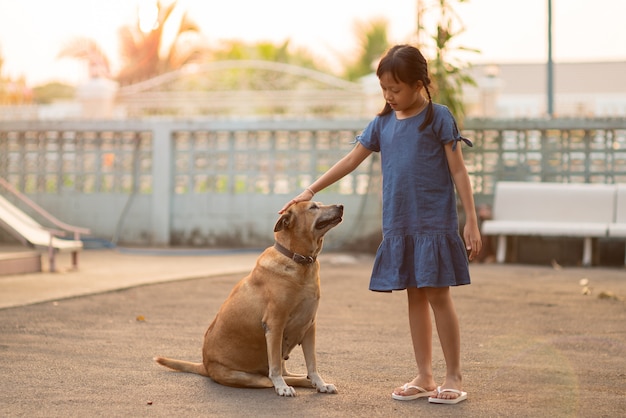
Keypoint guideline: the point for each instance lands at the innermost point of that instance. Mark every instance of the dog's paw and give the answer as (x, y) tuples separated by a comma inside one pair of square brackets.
[(327, 388), (287, 391)]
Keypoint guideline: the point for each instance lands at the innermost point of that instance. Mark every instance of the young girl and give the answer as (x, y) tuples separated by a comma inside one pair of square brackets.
[(421, 250)]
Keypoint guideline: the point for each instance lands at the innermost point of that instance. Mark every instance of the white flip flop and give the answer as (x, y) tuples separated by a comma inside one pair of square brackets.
[(422, 393), (462, 396)]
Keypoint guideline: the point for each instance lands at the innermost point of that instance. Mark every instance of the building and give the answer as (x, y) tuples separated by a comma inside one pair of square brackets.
[(581, 89)]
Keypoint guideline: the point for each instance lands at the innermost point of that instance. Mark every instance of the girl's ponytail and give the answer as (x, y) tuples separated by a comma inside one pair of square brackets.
[(429, 113)]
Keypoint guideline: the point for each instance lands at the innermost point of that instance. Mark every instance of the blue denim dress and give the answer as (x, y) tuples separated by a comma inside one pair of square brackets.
[(421, 245)]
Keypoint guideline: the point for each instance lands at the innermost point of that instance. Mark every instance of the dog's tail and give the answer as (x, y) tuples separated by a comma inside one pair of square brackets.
[(182, 366)]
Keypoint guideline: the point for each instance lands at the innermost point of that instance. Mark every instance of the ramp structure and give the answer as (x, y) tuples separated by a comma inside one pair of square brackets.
[(33, 234)]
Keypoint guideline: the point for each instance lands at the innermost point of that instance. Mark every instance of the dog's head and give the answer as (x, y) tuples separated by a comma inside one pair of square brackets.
[(307, 222)]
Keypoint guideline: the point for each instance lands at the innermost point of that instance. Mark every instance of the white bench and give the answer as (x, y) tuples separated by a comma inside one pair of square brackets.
[(554, 210), (617, 229)]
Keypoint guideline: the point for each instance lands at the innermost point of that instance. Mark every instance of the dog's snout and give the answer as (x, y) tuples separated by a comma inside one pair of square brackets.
[(340, 207)]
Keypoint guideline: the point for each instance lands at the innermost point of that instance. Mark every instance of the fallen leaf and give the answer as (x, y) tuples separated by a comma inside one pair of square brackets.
[(609, 295)]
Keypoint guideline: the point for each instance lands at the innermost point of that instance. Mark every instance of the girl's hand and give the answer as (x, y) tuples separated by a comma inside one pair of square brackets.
[(305, 196), (473, 241)]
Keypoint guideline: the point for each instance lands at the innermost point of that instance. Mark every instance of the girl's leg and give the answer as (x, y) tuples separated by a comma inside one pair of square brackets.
[(447, 323), (421, 334)]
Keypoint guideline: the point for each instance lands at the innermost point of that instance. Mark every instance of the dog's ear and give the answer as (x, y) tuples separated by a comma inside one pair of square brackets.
[(283, 222)]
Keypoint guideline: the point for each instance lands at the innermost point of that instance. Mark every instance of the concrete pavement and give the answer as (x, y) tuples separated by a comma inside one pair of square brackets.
[(534, 343), (102, 270)]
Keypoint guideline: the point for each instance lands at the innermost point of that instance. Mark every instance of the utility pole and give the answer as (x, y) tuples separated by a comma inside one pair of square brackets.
[(550, 64)]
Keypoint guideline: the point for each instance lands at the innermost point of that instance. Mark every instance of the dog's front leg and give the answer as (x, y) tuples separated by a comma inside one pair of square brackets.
[(273, 339), (308, 349)]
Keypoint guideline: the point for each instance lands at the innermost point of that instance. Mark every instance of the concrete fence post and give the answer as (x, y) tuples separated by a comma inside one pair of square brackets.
[(162, 171)]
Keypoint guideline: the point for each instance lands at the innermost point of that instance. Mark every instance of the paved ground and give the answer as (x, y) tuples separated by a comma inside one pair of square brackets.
[(106, 269), (72, 344)]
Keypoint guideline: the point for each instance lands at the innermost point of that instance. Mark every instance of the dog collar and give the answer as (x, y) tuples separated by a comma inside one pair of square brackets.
[(300, 259)]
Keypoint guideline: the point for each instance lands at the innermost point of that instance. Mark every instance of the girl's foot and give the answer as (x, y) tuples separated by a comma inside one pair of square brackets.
[(449, 391), (409, 392), (447, 396), (414, 389)]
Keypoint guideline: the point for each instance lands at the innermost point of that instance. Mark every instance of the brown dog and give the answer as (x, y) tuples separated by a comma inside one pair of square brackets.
[(271, 310)]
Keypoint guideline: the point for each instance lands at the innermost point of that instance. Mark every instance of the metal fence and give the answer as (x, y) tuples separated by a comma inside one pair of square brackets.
[(217, 183)]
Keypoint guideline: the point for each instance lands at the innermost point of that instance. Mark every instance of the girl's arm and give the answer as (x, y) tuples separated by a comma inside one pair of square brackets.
[(342, 167), (471, 233)]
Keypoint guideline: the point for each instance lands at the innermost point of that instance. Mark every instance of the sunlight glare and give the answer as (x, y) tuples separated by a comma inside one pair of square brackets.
[(148, 16)]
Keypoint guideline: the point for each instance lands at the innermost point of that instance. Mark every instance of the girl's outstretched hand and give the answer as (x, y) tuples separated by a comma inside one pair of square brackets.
[(305, 196)]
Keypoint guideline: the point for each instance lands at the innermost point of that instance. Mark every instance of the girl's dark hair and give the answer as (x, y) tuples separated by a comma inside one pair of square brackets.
[(406, 64)]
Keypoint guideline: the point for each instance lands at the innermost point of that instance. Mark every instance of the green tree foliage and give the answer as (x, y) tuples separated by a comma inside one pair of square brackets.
[(449, 75), (267, 51), (47, 93), (373, 42)]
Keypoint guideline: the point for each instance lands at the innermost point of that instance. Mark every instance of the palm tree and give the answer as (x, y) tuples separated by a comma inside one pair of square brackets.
[(140, 49), (88, 50)]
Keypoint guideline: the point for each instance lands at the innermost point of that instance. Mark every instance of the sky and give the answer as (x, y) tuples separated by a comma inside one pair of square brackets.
[(32, 32)]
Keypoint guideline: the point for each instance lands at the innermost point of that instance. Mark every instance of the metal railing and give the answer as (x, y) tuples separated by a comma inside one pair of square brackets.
[(63, 228)]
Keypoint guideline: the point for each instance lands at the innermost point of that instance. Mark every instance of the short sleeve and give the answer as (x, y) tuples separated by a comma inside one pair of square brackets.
[(445, 127), (370, 137)]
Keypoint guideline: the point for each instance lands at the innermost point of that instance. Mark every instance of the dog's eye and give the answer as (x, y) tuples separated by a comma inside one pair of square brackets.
[(314, 206)]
